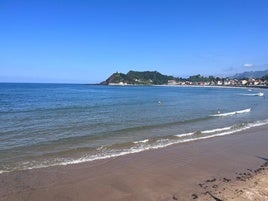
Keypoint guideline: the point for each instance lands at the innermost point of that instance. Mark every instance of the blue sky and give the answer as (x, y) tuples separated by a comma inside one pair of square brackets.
[(86, 41)]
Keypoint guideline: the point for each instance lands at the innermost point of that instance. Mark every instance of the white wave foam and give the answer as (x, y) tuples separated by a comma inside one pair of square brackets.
[(258, 123), (248, 94), (163, 143), (3, 171), (141, 141), (185, 134), (257, 94), (231, 113), (158, 144), (252, 125), (216, 130), (205, 131)]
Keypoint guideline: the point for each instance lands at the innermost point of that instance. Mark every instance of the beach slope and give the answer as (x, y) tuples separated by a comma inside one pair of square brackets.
[(230, 167)]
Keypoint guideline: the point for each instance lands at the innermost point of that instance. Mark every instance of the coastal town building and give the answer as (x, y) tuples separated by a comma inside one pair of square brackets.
[(223, 82)]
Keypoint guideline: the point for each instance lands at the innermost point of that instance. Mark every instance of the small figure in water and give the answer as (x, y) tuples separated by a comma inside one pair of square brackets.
[(218, 111), (159, 102)]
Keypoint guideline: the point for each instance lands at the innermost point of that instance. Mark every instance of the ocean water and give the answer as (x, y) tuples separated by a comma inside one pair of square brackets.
[(44, 125)]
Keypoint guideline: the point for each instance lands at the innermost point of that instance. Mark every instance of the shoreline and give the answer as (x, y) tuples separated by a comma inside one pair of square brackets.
[(217, 86), (265, 87), (142, 145), (170, 173)]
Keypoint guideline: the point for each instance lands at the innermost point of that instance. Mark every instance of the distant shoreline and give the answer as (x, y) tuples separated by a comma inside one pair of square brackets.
[(167, 85), (215, 86)]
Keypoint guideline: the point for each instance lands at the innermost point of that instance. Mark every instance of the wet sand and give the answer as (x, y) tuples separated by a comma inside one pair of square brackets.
[(218, 168)]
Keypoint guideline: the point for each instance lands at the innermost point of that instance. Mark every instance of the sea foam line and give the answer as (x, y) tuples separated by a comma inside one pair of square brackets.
[(216, 130), (231, 113), (141, 141), (162, 143), (185, 134), (204, 132)]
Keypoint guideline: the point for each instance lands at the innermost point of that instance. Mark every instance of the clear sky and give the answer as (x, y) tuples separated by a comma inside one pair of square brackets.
[(86, 41)]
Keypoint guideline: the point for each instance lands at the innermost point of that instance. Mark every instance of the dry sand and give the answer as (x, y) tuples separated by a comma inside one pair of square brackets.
[(247, 186), (223, 168)]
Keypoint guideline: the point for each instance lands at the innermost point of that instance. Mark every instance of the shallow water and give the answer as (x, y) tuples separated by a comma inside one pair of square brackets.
[(51, 124)]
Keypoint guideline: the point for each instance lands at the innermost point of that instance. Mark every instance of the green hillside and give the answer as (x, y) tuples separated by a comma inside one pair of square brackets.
[(136, 77)]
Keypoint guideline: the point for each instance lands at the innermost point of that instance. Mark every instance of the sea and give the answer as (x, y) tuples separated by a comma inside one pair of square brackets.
[(43, 125)]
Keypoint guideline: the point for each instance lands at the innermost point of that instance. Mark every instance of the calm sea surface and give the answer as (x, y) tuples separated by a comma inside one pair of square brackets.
[(56, 124)]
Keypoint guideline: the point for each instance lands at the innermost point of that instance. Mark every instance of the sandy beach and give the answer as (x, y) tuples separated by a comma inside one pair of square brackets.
[(231, 167)]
